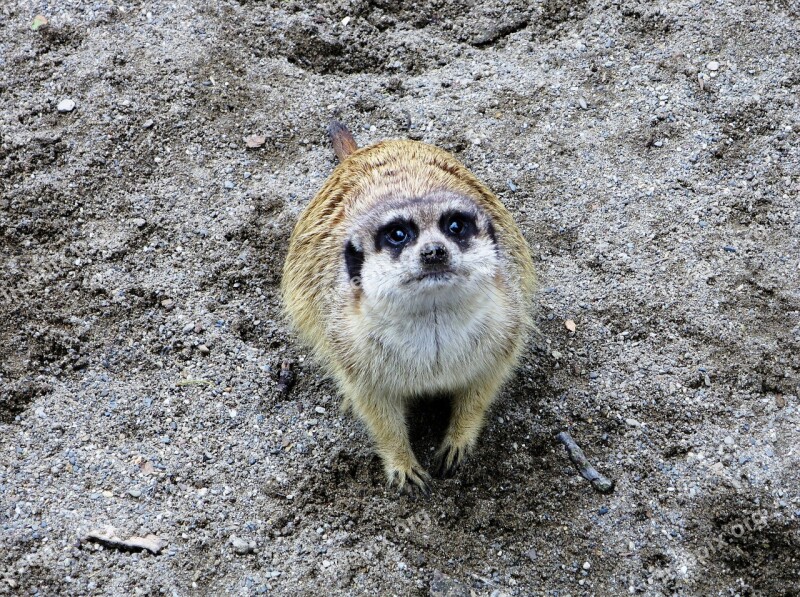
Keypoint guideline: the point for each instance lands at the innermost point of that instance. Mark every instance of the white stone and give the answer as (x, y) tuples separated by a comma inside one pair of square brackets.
[(65, 106)]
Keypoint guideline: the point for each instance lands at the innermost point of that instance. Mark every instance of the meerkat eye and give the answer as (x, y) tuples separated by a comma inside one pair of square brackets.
[(397, 235), (458, 225)]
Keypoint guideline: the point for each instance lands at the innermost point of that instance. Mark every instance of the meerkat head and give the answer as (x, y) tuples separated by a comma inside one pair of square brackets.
[(408, 254)]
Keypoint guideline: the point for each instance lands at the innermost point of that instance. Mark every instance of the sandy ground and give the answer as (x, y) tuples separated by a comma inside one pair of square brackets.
[(650, 153)]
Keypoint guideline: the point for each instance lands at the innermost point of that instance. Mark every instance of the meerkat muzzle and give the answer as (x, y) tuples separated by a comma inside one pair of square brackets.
[(434, 254)]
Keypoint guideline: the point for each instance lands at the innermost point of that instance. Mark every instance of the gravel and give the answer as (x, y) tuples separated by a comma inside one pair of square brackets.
[(664, 223)]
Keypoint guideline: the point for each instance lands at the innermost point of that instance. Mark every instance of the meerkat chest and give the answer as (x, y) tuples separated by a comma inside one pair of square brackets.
[(437, 349)]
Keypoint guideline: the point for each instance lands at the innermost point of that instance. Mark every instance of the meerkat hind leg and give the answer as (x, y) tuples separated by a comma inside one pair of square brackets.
[(466, 421), (386, 421)]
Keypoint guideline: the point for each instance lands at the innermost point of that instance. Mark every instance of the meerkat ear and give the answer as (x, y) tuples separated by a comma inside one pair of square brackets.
[(353, 259), (341, 139)]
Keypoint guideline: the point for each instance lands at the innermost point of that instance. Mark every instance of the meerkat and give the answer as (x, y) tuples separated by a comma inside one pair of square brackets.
[(407, 277)]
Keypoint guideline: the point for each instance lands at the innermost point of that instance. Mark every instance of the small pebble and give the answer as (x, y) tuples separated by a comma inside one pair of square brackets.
[(729, 249), (135, 493), (148, 124), (319, 410), (189, 327), (204, 350), (728, 440), (65, 106), (582, 103), (139, 222), (713, 65), (229, 185), (242, 547), (586, 565)]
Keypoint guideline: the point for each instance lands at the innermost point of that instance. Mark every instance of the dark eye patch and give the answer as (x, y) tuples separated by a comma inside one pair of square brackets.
[(353, 260), (490, 231), (460, 226), (396, 235)]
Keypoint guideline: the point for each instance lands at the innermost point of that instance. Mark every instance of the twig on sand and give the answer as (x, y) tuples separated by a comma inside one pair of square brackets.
[(286, 378), (600, 483), (107, 536)]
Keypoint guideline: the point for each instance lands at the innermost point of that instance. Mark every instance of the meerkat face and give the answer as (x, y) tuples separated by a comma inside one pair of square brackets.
[(408, 254)]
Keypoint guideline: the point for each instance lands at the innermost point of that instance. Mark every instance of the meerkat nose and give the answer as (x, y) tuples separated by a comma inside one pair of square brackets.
[(433, 254)]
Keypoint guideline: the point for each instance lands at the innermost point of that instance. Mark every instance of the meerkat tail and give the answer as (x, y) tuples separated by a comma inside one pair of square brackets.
[(341, 139)]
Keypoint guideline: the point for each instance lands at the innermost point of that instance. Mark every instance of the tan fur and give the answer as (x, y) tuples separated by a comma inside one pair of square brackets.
[(328, 313)]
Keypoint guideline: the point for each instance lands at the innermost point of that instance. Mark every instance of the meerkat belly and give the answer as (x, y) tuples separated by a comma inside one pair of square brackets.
[(435, 351)]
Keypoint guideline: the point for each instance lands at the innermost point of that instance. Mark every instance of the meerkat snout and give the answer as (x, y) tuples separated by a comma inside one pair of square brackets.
[(409, 278), (434, 255)]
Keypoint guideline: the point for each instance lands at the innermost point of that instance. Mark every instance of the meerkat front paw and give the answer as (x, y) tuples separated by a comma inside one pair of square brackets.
[(411, 480), (449, 458)]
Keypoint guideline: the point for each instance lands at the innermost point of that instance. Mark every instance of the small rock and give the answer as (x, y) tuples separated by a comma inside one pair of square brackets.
[(633, 422), (255, 141), (728, 440), (242, 547), (586, 565), (39, 21), (148, 124), (345, 21), (65, 106), (189, 327), (713, 65), (531, 555), (135, 493), (780, 401), (603, 510), (444, 586), (729, 249), (319, 410), (168, 304), (511, 186), (229, 184), (582, 103), (204, 350), (40, 413), (139, 222)]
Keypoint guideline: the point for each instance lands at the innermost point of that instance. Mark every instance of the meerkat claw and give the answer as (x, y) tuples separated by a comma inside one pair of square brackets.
[(448, 460), (412, 483)]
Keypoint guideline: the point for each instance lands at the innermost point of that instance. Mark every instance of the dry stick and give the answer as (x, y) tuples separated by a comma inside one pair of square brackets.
[(600, 483)]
